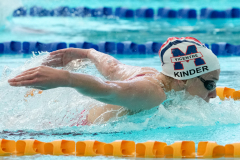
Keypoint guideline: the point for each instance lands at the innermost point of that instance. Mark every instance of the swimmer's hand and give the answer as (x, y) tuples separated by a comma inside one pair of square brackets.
[(61, 58), (41, 78), (138, 94)]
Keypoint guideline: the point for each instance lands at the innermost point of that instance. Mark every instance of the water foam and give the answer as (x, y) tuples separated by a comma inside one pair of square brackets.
[(62, 107)]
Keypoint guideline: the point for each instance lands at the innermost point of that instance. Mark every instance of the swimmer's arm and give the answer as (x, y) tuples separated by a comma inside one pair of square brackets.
[(110, 67), (107, 65), (138, 94)]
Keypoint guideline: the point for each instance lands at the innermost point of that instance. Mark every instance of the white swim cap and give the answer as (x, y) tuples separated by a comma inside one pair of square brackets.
[(186, 58)]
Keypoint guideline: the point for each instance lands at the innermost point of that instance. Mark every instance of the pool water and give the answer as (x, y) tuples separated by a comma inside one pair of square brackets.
[(43, 116), (77, 29), (53, 114), (139, 31), (176, 4)]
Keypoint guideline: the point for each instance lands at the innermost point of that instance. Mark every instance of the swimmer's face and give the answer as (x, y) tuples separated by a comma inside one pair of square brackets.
[(196, 87)]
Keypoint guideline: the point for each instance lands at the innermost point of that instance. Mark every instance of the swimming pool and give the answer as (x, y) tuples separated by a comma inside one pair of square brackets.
[(50, 115)]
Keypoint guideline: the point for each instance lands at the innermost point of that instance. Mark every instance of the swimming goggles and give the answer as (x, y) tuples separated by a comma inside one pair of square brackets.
[(208, 84)]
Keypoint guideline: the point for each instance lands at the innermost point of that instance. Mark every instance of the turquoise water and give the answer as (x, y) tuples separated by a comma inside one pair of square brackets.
[(95, 30), (51, 115), (76, 29)]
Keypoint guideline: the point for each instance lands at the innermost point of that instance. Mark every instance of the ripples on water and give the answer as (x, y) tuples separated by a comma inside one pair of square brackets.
[(76, 29), (53, 114), (62, 107)]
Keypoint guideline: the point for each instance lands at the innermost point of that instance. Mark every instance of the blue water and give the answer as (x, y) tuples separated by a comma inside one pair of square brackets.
[(50, 115), (76, 29), (33, 114), (95, 30)]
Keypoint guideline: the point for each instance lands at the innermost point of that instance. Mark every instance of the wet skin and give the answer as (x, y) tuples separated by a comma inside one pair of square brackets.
[(125, 90), (196, 86)]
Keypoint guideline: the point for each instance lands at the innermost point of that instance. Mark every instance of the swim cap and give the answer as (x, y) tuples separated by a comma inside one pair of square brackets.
[(186, 58)]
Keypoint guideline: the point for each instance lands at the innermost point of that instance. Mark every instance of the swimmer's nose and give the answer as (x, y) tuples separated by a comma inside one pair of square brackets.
[(212, 94)]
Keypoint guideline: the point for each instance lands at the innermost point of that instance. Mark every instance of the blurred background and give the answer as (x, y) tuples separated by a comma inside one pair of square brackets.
[(33, 21)]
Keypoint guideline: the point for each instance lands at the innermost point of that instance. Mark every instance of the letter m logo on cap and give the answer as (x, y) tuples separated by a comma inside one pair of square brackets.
[(178, 56), (191, 54)]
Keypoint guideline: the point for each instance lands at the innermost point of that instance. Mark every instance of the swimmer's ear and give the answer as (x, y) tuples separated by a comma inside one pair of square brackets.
[(189, 81), (185, 81), (182, 84)]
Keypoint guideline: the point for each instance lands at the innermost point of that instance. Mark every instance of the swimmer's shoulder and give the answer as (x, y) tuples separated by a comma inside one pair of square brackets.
[(143, 72), (156, 86), (157, 81), (151, 78)]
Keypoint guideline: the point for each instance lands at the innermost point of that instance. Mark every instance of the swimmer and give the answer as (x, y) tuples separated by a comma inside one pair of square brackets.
[(186, 65)]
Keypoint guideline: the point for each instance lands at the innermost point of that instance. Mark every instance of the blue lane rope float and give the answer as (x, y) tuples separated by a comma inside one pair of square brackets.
[(122, 12), (229, 13), (120, 148), (224, 49), (126, 47)]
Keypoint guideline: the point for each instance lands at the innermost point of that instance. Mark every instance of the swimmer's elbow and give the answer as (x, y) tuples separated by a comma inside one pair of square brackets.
[(112, 93), (105, 92), (132, 95)]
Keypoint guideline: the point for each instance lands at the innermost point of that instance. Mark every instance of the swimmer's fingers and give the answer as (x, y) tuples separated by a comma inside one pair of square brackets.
[(23, 78), (23, 83), (20, 75), (73, 53), (30, 71), (53, 62), (26, 73), (61, 51), (58, 60), (55, 65), (65, 56), (53, 59), (56, 56)]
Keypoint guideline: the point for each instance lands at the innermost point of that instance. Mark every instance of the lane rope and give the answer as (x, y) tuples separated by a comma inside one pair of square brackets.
[(122, 12), (125, 47), (120, 148)]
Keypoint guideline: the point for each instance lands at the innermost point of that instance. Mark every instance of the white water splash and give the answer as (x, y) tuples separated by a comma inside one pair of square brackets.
[(62, 107), (51, 109)]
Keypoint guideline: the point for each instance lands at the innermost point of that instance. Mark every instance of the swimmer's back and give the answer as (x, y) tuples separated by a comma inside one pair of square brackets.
[(140, 72)]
